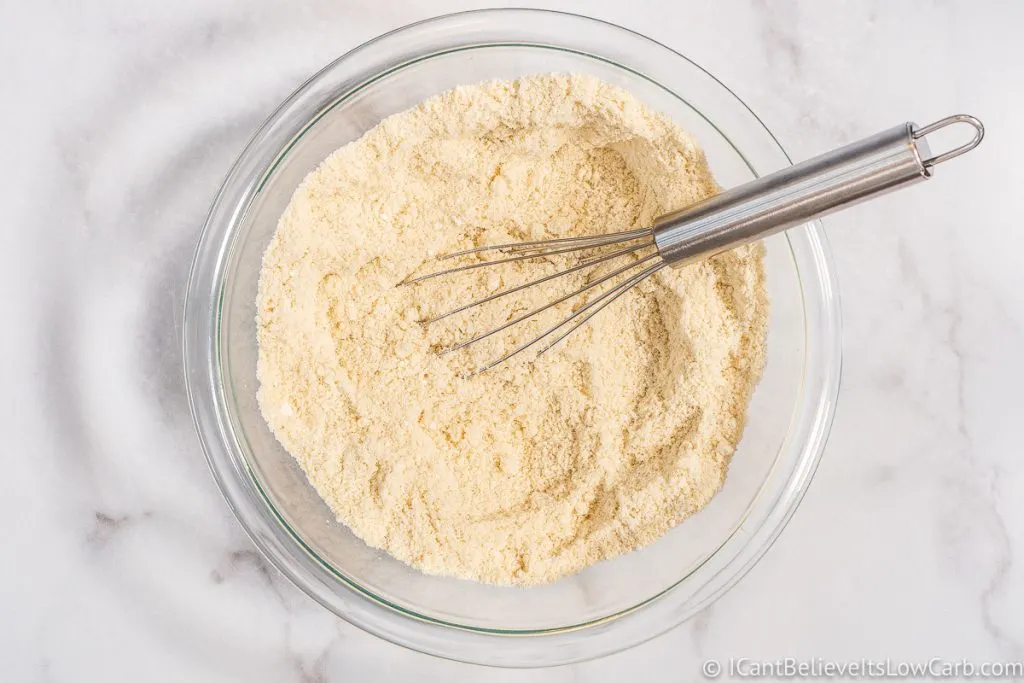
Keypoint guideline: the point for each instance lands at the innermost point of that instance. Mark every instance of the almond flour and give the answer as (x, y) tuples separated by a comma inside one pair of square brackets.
[(533, 470)]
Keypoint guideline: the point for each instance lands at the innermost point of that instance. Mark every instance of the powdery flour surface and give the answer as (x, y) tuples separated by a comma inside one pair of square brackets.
[(536, 469)]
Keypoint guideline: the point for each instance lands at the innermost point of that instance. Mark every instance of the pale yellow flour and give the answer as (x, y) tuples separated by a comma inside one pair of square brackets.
[(533, 470)]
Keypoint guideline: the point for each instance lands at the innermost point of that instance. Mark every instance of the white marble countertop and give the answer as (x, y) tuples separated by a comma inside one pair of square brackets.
[(121, 560)]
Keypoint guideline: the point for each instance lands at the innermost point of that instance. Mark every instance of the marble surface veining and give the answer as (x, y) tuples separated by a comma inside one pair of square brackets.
[(121, 560)]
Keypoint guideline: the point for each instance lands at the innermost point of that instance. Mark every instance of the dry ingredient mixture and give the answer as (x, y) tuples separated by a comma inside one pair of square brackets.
[(533, 470)]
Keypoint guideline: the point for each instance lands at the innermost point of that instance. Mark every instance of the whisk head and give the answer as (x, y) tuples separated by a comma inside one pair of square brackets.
[(632, 253)]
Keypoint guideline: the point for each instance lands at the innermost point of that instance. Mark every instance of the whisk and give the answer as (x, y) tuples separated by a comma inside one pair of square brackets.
[(892, 159)]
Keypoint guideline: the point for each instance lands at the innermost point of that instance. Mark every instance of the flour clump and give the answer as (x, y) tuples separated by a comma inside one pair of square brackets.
[(533, 470)]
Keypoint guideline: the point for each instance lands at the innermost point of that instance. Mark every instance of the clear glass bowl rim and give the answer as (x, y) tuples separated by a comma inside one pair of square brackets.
[(202, 375)]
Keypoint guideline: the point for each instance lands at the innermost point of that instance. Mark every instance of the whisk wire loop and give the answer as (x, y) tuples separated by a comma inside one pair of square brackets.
[(541, 309), (600, 302), (546, 278)]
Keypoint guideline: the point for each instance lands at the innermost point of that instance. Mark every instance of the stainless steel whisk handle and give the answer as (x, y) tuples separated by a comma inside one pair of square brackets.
[(875, 165)]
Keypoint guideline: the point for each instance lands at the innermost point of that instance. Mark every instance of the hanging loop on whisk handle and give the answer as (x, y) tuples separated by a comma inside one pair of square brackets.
[(875, 165)]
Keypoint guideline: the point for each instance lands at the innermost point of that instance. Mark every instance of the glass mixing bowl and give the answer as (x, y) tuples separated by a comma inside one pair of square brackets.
[(608, 607)]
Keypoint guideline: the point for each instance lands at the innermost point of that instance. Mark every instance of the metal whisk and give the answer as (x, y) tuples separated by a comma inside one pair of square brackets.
[(883, 162)]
